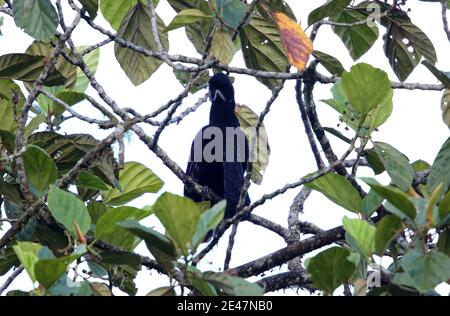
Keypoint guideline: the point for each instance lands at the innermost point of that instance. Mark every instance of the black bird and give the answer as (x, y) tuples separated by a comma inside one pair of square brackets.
[(219, 153)]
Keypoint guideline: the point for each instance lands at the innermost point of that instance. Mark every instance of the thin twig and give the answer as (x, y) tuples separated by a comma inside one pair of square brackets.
[(10, 279)]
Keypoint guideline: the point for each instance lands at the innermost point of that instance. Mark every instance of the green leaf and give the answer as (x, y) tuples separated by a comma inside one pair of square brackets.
[(396, 165), (445, 107), (444, 209), (27, 68), (330, 63), (70, 98), (186, 17), (96, 210), (66, 287), (134, 180), (362, 233), (440, 75), (223, 47), (28, 254), (39, 168), (365, 87), (8, 259), (67, 208), (48, 271), (90, 181), (162, 291), (197, 32), (440, 170), (91, 6), (262, 49), (233, 286), (108, 230), (66, 69), (339, 190), (444, 241), (387, 229), (371, 202), (120, 258), (326, 10), (136, 28), (195, 278), (374, 161), (179, 216), (425, 271), (260, 152), (358, 39), (232, 12), (114, 11), (398, 198), (91, 61), (37, 18), (184, 78), (150, 236), (405, 44), (330, 268), (353, 116), (208, 221)]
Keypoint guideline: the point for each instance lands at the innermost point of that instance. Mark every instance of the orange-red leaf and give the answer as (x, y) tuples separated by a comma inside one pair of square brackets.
[(297, 44), (80, 235)]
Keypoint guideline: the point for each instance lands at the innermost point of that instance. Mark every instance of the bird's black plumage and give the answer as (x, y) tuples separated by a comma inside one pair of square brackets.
[(224, 174)]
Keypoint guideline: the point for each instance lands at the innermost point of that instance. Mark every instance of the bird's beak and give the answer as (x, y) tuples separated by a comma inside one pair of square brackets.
[(218, 94)]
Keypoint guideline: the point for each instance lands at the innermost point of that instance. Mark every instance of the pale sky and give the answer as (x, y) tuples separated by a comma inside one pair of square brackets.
[(415, 127)]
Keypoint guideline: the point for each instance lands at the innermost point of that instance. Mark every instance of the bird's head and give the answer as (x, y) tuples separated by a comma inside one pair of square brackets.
[(221, 87)]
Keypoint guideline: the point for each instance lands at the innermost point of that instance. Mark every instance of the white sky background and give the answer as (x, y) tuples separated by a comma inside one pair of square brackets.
[(415, 126)]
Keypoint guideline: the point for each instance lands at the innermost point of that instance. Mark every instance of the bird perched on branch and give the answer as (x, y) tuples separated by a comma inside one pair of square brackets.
[(219, 153)]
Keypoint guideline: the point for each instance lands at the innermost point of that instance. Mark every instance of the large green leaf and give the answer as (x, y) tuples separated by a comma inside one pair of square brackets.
[(91, 61), (352, 116), (326, 10), (40, 169), (396, 165), (365, 87), (424, 270), (91, 6), (440, 170), (396, 197), (28, 254), (114, 11), (405, 44), (90, 181), (136, 28), (197, 32), (179, 216), (161, 247), (222, 46), (208, 221), (135, 179), (339, 190), (67, 209), (233, 286), (108, 230), (38, 18), (362, 233), (330, 63), (259, 149), (232, 12), (262, 49), (195, 277), (330, 268), (27, 68), (359, 38), (66, 69), (371, 202), (186, 17), (387, 229), (48, 271)]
